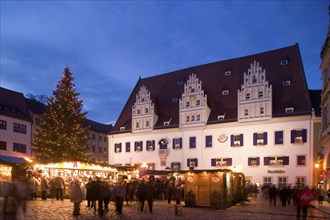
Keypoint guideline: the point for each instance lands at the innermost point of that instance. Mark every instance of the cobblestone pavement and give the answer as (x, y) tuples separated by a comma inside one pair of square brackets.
[(257, 208)]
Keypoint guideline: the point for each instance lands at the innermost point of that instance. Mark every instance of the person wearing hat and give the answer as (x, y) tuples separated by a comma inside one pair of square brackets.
[(76, 197)]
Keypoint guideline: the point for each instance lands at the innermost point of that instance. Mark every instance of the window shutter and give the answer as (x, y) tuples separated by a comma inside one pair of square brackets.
[(255, 139), (141, 145), (179, 166), (293, 136), (213, 162), (279, 137), (128, 147), (196, 162), (180, 142), (173, 143), (304, 135), (285, 160), (208, 141), (241, 139), (266, 161), (229, 161), (258, 161), (188, 162), (135, 145), (231, 140), (265, 138), (249, 161)]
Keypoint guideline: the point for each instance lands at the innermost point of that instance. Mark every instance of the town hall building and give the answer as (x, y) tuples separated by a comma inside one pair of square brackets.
[(252, 114)]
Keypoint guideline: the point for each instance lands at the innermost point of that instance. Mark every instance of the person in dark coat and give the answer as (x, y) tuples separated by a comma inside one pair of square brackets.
[(140, 193), (283, 194), (89, 193), (272, 195), (97, 195), (119, 193), (170, 188), (107, 195), (149, 193)]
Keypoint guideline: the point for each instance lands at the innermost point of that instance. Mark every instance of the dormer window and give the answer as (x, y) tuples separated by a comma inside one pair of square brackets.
[(289, 110), (228, 73), (147, 110), (284, 62), (122, 128), (221, 117), (138, 111), (286, 83), (180, 83), (225, 92), (175, 99)]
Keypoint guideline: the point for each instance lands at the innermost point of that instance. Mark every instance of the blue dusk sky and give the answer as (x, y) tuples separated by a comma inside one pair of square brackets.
[(108, 45)]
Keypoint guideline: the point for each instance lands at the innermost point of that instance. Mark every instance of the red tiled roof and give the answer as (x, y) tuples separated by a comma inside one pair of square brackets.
[(165, 87)]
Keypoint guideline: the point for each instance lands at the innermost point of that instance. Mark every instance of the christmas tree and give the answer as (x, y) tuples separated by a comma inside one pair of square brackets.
[(62, 135)]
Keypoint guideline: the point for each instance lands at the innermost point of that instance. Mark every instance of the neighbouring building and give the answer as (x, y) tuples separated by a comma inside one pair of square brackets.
[(252, 114), (325, 108), (20, 118)]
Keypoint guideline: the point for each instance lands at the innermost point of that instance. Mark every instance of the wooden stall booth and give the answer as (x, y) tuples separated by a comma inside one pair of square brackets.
[(210, 185)]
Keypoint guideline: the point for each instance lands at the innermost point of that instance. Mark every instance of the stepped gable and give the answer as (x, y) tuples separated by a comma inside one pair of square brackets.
[(166, 87)]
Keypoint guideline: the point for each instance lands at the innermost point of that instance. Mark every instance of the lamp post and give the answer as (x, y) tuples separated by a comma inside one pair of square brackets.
[(316, 177)]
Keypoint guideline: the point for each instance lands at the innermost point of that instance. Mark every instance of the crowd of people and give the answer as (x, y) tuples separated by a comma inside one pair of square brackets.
[(98, 192), (300, 197)]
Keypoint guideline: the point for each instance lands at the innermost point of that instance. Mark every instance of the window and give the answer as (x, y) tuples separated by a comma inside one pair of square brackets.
[(19, 128), (193, 118), (262, 110), (301, 160), (192, 142), (3, 125), (260, 94), (289, 110), (192, 162), (163, 143), (118, 148), (267, 180), (254, 79), (282, 181), (147, 124), (175, 99), (93, 149), (228, 73), (138, 146), (138, 111), (37, 121), (300, 181), (3, 145), (248, 96), (105, 139), (299, 136), (100, 138), (122, 128), (151, 145), (198, 118), (253, 161), (286, 83), (137, 125), (188, 118), (208, 141), (236, 140), (177, 143), (221, 162), (278, 137), (260, 138), (128, 146), (246, 112), (276, 161), (175, 166), (198, 102), (284, 62), (225, 92), (100, 150), (19, 148), (93, 136), (180, 83)]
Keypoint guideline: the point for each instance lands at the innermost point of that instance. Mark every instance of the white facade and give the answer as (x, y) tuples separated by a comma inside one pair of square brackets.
[(17, 141)]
